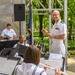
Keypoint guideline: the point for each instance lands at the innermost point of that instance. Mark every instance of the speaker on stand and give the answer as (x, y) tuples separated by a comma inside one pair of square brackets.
[(19, 13)]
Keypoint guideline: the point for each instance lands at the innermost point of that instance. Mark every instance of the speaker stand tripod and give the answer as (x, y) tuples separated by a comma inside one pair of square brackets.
[(20, 27)]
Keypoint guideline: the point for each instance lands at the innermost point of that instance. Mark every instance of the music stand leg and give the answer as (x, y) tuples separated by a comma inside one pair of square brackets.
[(20, 27)]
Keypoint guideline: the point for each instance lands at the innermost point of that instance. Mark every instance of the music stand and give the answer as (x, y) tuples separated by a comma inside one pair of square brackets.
[(7, 44), (6, 51), (8, 65), (21, 50)]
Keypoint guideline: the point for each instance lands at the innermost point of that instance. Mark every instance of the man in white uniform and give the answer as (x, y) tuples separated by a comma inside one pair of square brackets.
[(8, 33), (22, 41), (57, 35)]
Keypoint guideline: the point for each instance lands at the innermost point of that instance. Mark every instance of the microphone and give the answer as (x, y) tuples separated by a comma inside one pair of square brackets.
[(53, 68)]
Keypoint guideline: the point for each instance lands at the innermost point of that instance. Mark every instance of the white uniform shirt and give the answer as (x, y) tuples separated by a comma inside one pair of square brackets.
[(10, 33), (24, 43), (27, 69), (59, 29), (57, 44)]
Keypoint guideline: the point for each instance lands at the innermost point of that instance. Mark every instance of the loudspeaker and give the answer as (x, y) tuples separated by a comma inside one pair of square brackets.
[(19, 12)]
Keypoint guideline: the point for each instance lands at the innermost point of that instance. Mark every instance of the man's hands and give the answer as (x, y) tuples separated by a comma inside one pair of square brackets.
[(46, 66), (44, 31), (57, 72)]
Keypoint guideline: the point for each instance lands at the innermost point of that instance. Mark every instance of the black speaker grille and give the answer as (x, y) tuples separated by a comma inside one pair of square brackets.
[(19, 12)]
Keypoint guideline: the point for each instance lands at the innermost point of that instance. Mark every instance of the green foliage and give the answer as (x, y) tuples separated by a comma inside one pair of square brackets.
[(71, 52), (36, 34), (42, 40), (45, 20), (71, 43), (71, 14)]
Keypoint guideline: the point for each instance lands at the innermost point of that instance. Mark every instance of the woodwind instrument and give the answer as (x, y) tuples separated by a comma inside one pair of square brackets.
[(53, 68)]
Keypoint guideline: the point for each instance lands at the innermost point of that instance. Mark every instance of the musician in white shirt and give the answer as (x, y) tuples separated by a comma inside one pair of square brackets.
[(8, 33), (22, 41), (30, 64)]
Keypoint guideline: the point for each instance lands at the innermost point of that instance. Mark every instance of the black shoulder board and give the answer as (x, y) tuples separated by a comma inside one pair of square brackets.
[(61, 22)]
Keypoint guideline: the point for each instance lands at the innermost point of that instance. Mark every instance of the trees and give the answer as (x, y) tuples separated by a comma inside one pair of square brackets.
[(40, 21), (71, 18)]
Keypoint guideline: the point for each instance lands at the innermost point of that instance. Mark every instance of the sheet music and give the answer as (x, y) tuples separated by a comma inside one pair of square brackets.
[(55, 56), (9, 35), (56, 63), (7, 65)]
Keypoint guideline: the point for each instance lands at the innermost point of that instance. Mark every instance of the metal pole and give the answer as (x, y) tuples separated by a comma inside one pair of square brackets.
[(24, 22), (20, 27), (49, 23), (32, 22), (65, 20)]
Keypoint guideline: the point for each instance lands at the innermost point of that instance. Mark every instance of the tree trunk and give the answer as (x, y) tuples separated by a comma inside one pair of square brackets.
[(41, 25), (70, 32)]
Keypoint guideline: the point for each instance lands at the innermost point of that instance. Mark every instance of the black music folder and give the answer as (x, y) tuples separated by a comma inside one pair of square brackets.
[(7, 44), (22, 49), (6, 51)]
